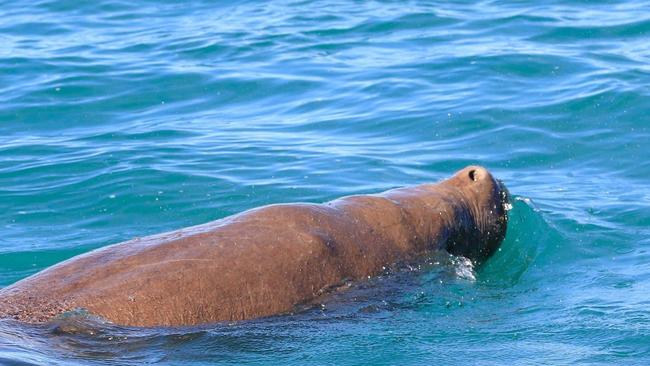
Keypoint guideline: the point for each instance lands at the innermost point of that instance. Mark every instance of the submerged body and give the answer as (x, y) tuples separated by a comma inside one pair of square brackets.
[(267, 260)]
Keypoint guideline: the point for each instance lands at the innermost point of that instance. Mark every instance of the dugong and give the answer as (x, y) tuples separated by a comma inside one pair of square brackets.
[(267, 260)]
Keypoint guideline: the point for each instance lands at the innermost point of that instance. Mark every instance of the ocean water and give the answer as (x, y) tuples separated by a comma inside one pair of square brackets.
[(120, 119)]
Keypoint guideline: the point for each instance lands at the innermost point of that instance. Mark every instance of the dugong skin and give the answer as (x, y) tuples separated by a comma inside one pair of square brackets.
[(266, 260)]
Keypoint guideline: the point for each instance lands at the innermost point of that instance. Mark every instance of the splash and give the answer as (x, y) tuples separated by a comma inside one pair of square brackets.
[(464, 268)]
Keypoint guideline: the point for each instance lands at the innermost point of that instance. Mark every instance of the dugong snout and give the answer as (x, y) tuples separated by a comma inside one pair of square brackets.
[(488, 201)]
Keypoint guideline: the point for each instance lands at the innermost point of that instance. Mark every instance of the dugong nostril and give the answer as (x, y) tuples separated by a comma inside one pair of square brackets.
[(476, 173), (472, 175)]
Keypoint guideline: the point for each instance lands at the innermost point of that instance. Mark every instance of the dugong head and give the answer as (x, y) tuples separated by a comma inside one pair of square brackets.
[(484, 213)]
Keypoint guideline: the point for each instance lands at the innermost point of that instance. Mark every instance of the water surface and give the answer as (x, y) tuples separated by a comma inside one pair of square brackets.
[(123, 119)]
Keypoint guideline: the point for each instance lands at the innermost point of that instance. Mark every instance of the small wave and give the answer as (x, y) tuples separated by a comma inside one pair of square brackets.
[(526, 237)]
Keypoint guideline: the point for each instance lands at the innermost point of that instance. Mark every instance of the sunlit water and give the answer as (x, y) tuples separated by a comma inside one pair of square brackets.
[(120, 119)]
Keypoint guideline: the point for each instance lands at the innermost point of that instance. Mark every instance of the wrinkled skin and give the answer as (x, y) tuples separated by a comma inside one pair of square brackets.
[(267, 260)]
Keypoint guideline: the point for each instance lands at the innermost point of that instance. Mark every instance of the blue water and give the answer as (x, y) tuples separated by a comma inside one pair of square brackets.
[(120, 119)]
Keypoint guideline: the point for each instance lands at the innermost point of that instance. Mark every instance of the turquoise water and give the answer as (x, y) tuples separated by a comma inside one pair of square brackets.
[(122, 119)]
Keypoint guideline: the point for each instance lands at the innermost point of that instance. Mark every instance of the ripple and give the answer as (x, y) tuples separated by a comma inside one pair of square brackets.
[(122, 119)]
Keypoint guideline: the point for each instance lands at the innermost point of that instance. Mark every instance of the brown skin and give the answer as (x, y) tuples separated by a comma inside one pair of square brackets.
[(267, 260)]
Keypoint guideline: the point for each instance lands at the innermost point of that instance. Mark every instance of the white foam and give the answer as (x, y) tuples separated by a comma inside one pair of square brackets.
[(464, 268)]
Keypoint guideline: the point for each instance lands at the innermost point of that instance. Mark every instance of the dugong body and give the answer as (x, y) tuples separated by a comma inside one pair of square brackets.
[(267, 260)]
